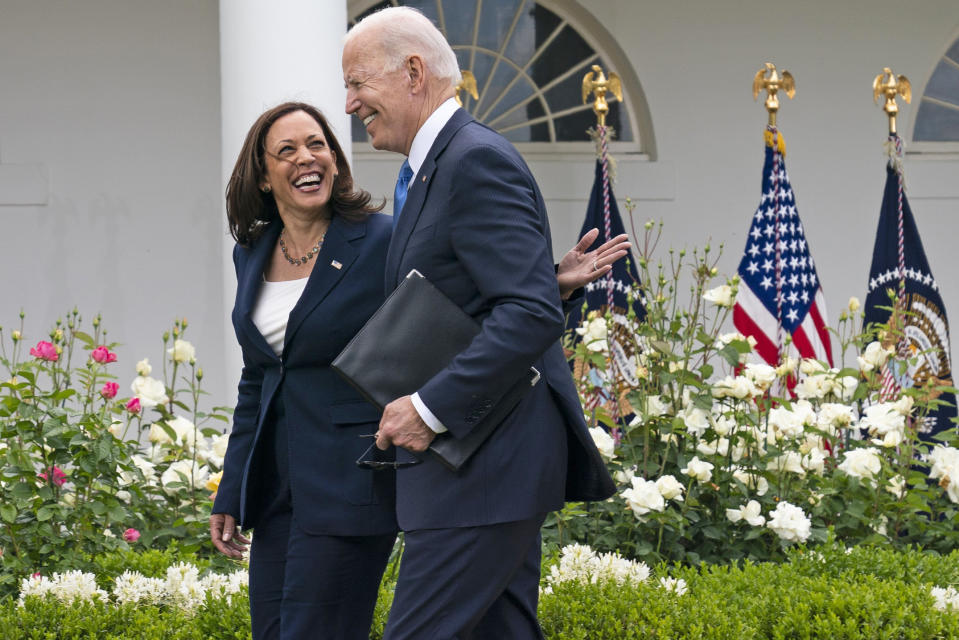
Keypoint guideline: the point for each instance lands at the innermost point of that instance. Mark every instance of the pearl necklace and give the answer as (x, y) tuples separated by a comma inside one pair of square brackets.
[(299, 261)]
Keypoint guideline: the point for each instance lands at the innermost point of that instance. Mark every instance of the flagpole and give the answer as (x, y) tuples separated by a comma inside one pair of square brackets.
[(596, 82), (771, 81), (890, 86)]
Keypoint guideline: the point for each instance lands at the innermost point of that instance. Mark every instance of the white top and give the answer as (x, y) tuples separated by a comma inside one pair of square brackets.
[(422, 142), (271, 313)]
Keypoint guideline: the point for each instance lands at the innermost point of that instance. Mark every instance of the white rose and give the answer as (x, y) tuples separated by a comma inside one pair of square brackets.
[(159, 435), (750, 512), (752, 481), (721, 296), (844, 387), (182, 351), (854, 304), (873, 357), (904, 405), (834, 416), (761, 375), (670, 488), (813, 386), (698, 469), (594, 334), (897, 486), (882, 419), (944, 461), (116, 429), (218, 449), (719, 446), (786, 422), (625, 476), (185, 471), (790, 461), (185, 430), (790, 523), (861, 463), (811, 366), (643, 497), (654, 406), (697, 420), (150, 391), (723, 425), (814, 460), (735, 387), (787, 366), (143, 368), (604, 442)]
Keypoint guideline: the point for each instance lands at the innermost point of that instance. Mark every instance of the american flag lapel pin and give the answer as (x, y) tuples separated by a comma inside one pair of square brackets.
[(337, 264)]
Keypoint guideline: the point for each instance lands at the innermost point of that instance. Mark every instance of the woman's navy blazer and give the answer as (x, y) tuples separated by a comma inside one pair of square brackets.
[(325, 416)]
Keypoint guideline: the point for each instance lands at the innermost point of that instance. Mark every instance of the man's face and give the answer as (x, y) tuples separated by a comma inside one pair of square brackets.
[(381, 99)]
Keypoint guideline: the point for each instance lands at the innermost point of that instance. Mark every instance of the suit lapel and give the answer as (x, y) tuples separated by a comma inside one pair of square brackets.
[(416, 198), (334, 259)]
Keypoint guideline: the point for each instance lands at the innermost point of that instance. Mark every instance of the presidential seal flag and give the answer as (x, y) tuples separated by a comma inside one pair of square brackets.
[(780, 301), (613, 292), (900, 277)]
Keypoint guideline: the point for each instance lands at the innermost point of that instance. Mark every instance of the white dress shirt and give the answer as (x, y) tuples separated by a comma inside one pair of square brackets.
[(422, 143)]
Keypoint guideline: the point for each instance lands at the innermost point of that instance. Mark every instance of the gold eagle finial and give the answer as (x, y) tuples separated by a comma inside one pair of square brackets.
[(467, 84), (773, 82), (890, 85), (595, 82)]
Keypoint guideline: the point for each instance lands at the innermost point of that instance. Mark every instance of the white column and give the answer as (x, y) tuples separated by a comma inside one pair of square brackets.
[(272, 51)]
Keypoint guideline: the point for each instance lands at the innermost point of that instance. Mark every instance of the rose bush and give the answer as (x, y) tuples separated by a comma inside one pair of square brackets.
[(720, 456), (76, 476)]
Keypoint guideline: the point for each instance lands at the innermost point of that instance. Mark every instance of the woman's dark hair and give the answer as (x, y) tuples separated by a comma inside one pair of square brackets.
[(248, 208)]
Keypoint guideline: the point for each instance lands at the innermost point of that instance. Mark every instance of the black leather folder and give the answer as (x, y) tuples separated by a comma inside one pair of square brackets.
[(411, 338)]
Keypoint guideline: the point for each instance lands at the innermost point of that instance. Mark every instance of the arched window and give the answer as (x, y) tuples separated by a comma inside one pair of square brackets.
[(529, 59), (937, 119)]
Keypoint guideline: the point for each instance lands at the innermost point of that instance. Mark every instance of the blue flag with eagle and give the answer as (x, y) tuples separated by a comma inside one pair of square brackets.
[(899, 264), (614, 287)]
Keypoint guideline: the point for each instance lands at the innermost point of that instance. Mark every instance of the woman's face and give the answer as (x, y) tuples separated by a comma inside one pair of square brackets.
[(299, 166)]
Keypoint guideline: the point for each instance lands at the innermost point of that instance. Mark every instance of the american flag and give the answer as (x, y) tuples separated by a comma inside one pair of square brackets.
[(780, 293)]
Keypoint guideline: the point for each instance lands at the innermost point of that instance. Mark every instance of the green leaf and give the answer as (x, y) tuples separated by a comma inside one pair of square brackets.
[(46, 512), (8, 512), (22, 490)]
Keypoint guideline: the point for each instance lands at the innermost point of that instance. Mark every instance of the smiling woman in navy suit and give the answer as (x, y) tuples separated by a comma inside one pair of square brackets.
[(309, 263)]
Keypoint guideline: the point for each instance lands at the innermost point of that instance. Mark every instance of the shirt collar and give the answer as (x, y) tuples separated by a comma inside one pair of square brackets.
[(427, 134)]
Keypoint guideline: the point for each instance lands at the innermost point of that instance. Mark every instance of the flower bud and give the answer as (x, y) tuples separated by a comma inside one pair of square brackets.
[(648, 225), (16, 335), (854, 303), (199, 373)]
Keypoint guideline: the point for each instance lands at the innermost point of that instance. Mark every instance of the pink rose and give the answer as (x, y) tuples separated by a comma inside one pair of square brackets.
[(45, 351), (103, 355), (131, 535), (35, 574), (109, 390), (59, 477), (134, 405)]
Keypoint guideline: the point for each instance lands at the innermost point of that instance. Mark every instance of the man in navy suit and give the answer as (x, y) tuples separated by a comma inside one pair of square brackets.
[(474, 223)]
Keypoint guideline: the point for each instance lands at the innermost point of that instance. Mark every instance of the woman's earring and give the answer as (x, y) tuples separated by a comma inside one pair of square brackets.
[(266, 189)]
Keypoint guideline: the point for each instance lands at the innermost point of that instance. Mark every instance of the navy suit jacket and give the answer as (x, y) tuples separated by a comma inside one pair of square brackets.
[(475, 225), (325, 416)]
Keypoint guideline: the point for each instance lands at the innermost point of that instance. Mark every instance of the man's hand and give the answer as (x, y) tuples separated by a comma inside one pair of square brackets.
[(579, 267), (402, 426), (225, 536)]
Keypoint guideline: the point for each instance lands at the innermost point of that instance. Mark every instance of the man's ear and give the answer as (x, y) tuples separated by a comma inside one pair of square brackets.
[(417, 72)]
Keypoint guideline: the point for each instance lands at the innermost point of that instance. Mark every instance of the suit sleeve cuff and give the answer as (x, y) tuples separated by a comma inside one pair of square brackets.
[(431, 421)]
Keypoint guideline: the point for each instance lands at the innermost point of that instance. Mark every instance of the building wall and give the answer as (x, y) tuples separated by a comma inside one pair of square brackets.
[(114, 109), (111, 179)]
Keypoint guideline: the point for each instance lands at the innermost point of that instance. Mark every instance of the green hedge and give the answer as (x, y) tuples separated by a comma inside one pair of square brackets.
[(869, 593)]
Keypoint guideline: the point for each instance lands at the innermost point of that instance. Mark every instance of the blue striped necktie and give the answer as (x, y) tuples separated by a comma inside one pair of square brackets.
[(399, 193)]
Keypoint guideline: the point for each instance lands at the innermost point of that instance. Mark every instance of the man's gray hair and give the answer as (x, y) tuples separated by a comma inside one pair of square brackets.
[(404, 31)]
